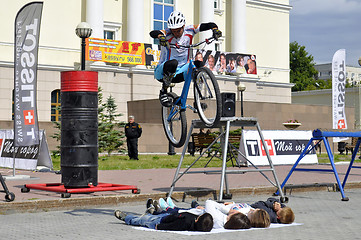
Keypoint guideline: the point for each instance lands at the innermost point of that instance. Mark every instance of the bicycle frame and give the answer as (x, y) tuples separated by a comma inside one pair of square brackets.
[(182, 100)]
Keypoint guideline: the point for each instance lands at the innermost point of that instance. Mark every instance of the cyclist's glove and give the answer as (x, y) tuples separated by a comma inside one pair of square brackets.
[(162, 41), (217, 33)]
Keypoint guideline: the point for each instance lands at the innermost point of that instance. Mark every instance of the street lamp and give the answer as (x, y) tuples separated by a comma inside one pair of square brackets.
[(241, 88), (83, 30)]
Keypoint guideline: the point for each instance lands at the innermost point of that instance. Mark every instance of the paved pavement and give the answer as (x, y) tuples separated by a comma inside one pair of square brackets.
[(156, 183), (43, 215), (322, 214)]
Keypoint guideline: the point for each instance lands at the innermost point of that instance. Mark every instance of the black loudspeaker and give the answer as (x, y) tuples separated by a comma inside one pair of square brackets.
[(228, 104)]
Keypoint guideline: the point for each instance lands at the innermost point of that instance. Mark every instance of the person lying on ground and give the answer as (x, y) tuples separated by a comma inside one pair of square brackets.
[(278, 212), (258, 218), (235, 220), (166, 221)]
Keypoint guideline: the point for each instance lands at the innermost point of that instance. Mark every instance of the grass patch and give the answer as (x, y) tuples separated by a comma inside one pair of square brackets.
[(152, 161), (323, 158)]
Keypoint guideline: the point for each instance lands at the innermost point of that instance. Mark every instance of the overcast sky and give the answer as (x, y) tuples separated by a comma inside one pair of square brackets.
[(324, 26)]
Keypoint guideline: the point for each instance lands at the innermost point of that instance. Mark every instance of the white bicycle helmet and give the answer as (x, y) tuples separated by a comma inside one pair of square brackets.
[(176, 20)]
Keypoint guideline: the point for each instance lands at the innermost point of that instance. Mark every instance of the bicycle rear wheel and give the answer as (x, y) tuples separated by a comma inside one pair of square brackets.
[(174, 123), (207, 97)]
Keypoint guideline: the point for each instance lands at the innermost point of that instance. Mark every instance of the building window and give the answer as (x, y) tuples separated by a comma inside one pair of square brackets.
[(111, 30), (55, 105), (109, 35), (216, 4), (218, 7), (161, 11), (217, 47)]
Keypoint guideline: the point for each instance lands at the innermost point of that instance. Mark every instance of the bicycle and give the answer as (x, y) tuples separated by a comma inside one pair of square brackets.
[(207, 100)]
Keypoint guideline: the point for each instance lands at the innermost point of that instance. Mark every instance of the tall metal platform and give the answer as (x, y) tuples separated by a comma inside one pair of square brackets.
[(224, 127), (320, 135)]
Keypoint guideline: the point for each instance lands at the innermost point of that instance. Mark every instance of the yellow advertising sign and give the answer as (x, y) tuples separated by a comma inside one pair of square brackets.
[(107, 50)]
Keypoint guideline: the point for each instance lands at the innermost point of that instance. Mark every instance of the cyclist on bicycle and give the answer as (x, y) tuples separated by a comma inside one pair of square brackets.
[(174, 61)]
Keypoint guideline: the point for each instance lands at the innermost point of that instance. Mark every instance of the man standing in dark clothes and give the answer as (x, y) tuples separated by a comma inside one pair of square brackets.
[(133, 131)]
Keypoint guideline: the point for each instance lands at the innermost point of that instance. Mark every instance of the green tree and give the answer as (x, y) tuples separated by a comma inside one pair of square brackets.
[(56, 136), (302, 68), (110, 130)]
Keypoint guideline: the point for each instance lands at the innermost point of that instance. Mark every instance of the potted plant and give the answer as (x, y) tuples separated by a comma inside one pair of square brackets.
[(292, 124)]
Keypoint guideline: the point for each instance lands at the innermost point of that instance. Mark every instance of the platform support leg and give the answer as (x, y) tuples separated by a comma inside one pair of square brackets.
[(295, 165), (175, 179), (354, 153), (224, 162), (270, 161), (331, 158)]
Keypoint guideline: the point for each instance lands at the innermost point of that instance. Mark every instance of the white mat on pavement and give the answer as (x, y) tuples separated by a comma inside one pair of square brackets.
[(219, 230)]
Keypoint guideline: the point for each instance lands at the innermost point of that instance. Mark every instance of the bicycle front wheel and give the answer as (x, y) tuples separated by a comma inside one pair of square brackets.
[(207, 97), (174, 123)]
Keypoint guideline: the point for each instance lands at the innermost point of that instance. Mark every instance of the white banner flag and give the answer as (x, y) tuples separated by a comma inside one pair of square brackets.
[(338, 91), (27, 30)]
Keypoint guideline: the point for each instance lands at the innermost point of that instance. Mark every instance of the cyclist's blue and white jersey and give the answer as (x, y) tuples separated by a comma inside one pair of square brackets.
[(180, 54)]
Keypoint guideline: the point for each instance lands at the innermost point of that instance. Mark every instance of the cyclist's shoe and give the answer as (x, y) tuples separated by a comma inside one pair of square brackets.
[(164, 98)]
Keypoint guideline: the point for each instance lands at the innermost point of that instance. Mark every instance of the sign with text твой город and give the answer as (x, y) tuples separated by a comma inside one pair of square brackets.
[(284, 147)]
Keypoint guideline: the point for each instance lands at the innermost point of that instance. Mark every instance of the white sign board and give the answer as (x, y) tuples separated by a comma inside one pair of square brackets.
[(26, 157), (284, 147)]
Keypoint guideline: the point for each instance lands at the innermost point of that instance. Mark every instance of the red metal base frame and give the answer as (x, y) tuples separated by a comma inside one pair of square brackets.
[(59, 187)]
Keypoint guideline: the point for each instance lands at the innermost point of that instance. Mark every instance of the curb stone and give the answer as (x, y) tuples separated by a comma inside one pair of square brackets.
[(103, 201)]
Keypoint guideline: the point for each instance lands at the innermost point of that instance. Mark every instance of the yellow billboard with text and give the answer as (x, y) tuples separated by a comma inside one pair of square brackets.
[(107, 50)]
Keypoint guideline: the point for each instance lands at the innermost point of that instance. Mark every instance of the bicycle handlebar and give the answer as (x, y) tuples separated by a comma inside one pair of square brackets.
[(207, 41)]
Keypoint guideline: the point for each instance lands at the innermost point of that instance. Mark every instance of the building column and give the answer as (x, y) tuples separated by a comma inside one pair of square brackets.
[(95, 17), (239, 26), (135, 24), (206, 14)]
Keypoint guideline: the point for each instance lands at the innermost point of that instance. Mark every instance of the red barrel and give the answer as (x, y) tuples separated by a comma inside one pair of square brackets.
[(79, 128), (79, 81)]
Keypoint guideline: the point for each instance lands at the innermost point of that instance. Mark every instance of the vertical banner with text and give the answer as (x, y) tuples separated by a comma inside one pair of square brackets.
[(27, 29), (338, 91)]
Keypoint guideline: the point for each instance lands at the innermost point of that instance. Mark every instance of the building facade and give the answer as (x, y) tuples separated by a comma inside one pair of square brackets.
[(253, 27), (353, 74)]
